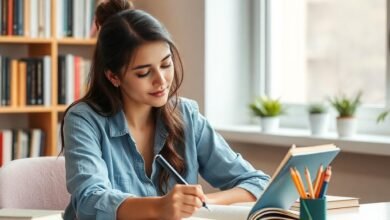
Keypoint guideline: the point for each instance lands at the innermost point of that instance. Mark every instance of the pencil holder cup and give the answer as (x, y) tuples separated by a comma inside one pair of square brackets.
[(312, 209)]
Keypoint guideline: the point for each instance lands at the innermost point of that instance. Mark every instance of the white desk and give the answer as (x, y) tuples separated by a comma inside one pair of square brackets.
[(374, 211)]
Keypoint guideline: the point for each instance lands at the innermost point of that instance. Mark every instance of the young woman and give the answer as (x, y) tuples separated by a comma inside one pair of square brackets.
[(132, 112)]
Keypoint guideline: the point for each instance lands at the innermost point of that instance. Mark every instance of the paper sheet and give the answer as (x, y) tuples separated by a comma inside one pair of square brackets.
[(222, 212)]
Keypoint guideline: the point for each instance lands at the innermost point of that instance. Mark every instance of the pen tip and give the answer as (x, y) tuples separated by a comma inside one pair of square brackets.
[(205, 205)]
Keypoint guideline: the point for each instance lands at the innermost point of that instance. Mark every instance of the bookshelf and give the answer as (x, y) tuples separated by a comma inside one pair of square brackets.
[(45, 117)]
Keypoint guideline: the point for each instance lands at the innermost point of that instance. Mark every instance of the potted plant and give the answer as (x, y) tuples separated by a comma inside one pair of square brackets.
[(382, 116), (269, 111), (346, 108), (318, 119)]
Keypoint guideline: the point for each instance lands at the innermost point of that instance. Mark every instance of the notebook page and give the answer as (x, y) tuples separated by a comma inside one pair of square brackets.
[(225, 212)]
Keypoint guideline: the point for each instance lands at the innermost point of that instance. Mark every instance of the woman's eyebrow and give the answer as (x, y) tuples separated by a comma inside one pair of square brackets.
[(148, 65)]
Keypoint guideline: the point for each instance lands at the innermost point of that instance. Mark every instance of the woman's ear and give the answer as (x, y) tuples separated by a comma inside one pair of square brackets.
[(114, 79)]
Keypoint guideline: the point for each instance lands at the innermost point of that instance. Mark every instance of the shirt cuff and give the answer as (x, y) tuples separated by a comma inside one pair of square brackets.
[(252, 186), (108, 205)]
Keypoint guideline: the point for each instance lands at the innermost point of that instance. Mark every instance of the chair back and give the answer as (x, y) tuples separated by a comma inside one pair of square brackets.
[(34, 183)]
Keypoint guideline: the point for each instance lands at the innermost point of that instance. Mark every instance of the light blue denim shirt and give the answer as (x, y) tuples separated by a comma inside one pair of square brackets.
[(103, 166)]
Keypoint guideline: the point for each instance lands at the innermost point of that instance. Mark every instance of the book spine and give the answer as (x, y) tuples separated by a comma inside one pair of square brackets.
[(39, 81), (1, 148), (10, 17), (47, 18), (69, 21), (7, 81), (14, 83), (20, 29), (15, 18), (22, 84), (7, 146), (47, 81), (26, 18), (34, 18), (4, 6), (1, 78)]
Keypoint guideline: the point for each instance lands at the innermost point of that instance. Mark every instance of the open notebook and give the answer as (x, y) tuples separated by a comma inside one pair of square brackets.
[(280, 193)]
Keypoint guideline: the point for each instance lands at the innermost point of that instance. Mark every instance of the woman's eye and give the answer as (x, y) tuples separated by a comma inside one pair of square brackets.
[(165, 66), (141, 75)]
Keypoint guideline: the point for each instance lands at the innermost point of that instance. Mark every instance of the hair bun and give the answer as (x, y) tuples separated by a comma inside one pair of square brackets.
[(108, 8)]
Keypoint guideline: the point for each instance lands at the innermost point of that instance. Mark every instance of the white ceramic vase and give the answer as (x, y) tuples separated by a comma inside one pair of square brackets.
[(319, 123), (269, 124), (346, 126)]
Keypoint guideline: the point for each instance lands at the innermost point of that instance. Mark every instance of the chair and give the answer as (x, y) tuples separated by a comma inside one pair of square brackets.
[(34, 183)]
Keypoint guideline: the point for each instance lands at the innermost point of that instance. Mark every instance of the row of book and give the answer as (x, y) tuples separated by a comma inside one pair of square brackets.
[(30, 18), (75, 18), (25, 81), (17, 144), (73, 74), (28, 81)]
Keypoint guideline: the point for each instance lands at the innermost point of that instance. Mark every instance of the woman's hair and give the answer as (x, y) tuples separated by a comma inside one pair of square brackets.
[(122, 30)]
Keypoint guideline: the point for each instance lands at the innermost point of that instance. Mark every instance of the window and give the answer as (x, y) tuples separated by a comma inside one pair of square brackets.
[(314, 49), (320, 48)]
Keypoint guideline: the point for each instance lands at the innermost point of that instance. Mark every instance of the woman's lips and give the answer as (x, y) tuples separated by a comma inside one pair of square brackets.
[(158, 93)]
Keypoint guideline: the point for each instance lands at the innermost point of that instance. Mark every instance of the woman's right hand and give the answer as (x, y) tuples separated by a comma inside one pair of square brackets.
[(181, 202)]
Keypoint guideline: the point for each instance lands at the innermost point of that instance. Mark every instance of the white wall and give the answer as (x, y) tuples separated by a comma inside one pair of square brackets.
[(228, 61)]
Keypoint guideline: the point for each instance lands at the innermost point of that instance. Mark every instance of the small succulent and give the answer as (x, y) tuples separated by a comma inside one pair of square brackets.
[(382, 116), (317, 109), (346, 107), (267, 107)]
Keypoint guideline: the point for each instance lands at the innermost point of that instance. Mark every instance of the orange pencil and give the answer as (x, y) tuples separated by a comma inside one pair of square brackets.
[(318, 190), (309, 184), (300, 182), (318, 179), (295, 180)]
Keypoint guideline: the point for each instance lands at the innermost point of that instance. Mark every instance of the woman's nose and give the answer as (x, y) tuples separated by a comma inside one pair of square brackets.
[(159, 78)]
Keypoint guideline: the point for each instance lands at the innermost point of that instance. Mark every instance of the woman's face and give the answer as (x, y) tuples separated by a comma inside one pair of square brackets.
[(149, 76)]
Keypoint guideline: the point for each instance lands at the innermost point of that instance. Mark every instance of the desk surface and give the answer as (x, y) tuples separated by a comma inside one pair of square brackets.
[(377, 211)]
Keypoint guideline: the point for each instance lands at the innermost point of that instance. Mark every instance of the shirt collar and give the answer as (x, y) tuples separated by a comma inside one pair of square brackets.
[(117, 124), (118, 127)]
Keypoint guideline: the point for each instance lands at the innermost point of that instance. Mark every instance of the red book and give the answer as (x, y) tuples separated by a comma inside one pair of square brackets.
[(1, 148), (77, 85), (10, 20)]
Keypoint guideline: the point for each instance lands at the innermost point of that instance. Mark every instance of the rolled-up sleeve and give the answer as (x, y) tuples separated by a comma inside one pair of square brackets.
[(86, 172), (219, 164)]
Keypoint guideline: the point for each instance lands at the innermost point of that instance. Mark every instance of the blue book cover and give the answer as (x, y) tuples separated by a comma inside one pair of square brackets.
[(281, 193)]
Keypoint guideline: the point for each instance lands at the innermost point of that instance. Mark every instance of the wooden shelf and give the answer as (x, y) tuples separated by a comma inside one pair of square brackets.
[(61, 108), (24, 40), (27, 109), (76, 41), (16, 47)]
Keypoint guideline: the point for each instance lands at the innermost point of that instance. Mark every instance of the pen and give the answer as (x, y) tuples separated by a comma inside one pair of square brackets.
[(309, 184), (161, 160), (324, 188)]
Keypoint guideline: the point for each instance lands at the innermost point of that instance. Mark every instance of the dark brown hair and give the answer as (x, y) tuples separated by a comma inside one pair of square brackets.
[(122, 30)]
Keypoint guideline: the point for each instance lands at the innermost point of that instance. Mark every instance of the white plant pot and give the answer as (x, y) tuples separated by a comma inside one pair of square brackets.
[(319, 123), (269, 124), (346, 127)]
